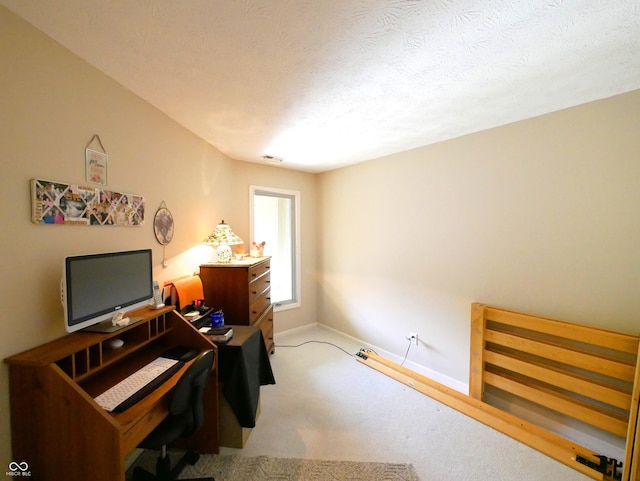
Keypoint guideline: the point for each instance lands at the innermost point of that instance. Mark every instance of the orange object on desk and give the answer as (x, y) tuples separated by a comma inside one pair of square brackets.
[(187, 290)]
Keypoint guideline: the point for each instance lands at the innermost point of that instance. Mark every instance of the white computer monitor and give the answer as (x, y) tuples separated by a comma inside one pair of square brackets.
[(95, 287)]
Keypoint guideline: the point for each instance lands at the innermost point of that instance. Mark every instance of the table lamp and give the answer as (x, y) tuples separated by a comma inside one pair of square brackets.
[(223, 237)]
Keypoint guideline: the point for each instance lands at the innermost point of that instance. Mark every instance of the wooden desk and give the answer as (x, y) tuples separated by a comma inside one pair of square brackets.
[(62, 433)]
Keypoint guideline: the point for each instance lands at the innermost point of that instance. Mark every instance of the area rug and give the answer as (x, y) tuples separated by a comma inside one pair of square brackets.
[(264, 468)]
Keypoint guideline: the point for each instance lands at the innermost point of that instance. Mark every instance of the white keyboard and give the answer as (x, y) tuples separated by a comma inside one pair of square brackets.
[(142, 381)]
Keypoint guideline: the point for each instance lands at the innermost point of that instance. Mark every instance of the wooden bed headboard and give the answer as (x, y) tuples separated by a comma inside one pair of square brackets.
[(581, 373)]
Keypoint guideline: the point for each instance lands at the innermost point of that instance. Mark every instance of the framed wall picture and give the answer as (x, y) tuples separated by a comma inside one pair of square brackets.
[(96, 166), (163, 225)]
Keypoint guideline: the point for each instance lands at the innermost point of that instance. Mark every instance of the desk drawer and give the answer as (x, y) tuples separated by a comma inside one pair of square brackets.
[(259, 270), (257, 287), (136, 433), (259, 306), (265, 323)]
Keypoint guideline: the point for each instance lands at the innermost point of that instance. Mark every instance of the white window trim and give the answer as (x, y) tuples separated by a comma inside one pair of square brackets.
[(296, 197)]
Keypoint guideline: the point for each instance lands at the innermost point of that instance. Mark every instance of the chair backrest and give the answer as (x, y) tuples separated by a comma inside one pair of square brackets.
[(185, 290), (187, 396)]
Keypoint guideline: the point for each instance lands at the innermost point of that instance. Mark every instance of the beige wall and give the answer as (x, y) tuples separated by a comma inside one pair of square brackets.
[(51, 104), (539, 216)]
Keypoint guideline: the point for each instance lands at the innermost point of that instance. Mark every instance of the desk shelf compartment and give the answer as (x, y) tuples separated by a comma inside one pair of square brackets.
[(92, 352), (81, 362)]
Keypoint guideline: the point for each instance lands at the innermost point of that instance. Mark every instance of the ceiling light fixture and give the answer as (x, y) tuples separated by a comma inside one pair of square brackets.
[(270, 159)]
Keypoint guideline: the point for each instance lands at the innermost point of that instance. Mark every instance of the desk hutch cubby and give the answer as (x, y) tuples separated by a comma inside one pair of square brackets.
[(242, 289), (57, 427)]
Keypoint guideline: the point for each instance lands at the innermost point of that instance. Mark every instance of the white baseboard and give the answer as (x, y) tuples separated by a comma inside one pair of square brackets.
[(423, 370), (297, 330)]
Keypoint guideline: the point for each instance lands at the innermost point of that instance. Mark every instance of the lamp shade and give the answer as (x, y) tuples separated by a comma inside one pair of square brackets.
[(223, 237)]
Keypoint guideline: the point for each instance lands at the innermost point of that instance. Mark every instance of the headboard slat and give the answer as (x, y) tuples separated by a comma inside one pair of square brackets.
[(566, 382), (576, 332), (602, 419), (595, 362)]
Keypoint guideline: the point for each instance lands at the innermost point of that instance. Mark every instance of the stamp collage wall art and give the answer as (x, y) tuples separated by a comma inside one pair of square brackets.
[(60, 203)]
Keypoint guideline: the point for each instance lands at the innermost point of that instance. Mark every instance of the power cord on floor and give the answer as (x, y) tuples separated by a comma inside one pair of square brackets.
[(317, 342), (406, 354), (362, 350)]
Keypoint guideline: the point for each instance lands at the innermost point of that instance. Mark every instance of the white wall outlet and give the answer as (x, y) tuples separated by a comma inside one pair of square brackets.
[(413, 338)]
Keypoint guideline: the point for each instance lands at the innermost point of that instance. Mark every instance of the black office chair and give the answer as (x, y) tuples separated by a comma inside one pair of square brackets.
[(186, 414)]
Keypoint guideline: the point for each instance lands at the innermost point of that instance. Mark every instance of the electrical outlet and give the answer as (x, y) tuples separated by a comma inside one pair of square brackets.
[(413, 338)]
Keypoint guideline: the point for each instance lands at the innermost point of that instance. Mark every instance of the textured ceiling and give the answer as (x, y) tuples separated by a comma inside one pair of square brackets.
[(326, 83)]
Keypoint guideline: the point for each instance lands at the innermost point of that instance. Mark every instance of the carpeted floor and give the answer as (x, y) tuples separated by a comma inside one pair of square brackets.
[(265, 468), (326, 405)]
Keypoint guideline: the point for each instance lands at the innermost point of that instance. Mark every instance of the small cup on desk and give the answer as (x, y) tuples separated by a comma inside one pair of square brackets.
[(217, 319)]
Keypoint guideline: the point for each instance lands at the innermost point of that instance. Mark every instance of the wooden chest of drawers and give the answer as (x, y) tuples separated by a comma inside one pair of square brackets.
[(242, 289)]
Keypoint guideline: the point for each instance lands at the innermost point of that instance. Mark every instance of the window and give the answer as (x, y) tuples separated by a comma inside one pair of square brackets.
[(275, 219)]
